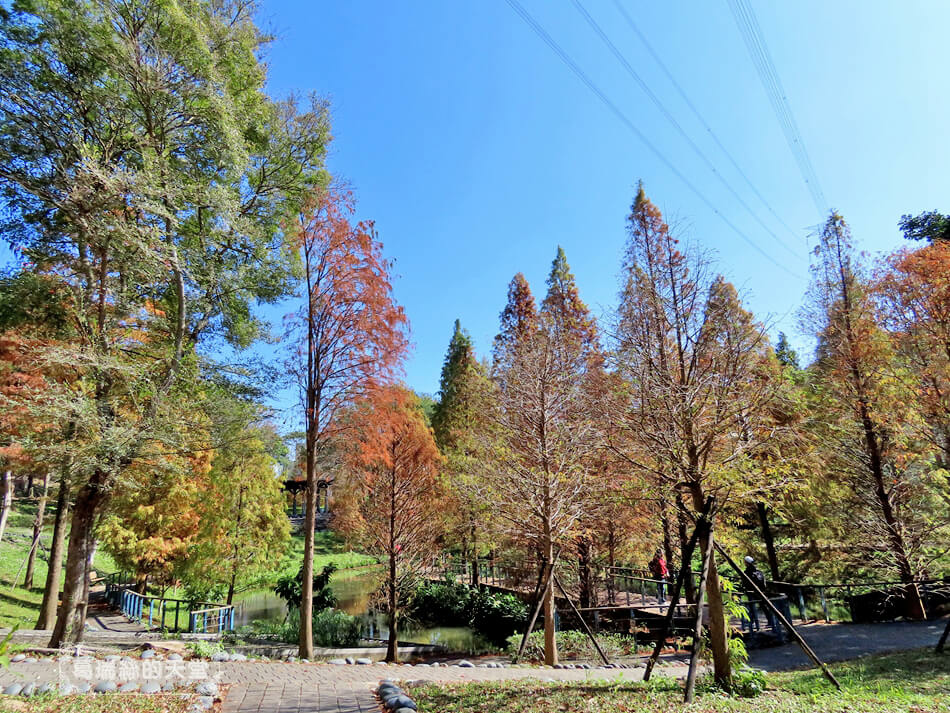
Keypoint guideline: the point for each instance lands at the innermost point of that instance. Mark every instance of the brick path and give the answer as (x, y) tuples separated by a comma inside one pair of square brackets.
[(309, 688), (258, 687)]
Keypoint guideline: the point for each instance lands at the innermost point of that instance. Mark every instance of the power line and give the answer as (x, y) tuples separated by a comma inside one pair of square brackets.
[(698, 114), (762, 60), (670, 118), (572, 65)]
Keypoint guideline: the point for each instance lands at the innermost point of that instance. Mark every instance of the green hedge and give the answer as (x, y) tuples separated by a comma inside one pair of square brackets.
[(493, 615)]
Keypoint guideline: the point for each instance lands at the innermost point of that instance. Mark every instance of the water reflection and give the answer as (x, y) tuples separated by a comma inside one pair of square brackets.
[(354, 592)]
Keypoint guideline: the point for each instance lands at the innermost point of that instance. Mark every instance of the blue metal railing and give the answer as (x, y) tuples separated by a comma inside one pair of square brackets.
[(164, 612)]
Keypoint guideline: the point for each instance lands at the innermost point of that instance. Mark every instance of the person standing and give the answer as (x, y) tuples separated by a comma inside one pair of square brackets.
[(755, 574), (659, 572)]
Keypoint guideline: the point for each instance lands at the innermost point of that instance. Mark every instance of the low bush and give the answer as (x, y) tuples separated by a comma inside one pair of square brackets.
[(493, 615), (575, 645), (205, 649), (334, 628)]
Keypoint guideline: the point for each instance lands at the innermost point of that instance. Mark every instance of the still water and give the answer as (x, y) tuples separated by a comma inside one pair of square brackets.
[(354, 591)]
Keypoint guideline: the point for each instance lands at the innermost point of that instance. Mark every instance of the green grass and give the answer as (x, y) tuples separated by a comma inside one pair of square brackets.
[(19, 605), (107, 703), (917, 681), (328, 548)]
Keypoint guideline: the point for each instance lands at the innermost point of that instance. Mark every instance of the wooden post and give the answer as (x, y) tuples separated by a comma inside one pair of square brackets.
[(546, 577), (685, 571), (706, 527), (590, 633)]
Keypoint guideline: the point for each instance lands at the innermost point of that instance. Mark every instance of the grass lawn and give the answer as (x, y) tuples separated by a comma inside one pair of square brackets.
[(18, 605), (917, 682), (107, 703), (328, 548)]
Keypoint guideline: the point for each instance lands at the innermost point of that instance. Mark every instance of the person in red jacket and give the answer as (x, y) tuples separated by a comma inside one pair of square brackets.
[(659, 572)]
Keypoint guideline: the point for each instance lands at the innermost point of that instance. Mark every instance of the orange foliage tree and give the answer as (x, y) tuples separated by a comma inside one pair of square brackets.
[(352, 339), (392, 491)]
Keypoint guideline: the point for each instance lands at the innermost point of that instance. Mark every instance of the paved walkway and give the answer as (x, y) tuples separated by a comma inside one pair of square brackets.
[(274, 687), (303, 688), (840, 642), (259, 687)]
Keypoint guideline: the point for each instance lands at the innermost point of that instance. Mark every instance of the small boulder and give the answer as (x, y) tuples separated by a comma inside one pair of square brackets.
[(151, 687), (13, 689), (84, 687), (66, 689), (350, 659), (18, 658), (465, 664), (129, 687), (174, 657), (400, 700), (220, 656), (148, 654), (206, 702), (29, 659), (238, 657), (104, 687), (364, 661), (338, 662), (207, 688), (45, 688), (28, 689)]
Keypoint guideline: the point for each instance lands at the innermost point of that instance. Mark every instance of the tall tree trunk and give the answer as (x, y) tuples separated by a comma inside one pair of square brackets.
[(611, 562), (236, 550), (550, 641), (718, 631), (667, 538), (37, 531), (683, 536), (474, 554), (6, 494), (769, 541), (70, 620), (584, 572), (55, 566), (392, 644), (306, 598)]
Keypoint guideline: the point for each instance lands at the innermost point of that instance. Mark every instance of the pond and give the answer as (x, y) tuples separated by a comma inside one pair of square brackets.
[(354, 592)]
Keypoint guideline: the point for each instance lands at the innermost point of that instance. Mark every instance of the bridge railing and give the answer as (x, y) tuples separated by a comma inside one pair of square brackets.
[(212, 620), (166, 612), (861, 601)]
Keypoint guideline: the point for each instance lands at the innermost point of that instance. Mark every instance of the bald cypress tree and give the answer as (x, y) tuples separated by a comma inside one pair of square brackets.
[(697, 366), (543, 434)]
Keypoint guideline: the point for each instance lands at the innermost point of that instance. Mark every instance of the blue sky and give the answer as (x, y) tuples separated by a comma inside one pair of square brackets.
[(477, 151)]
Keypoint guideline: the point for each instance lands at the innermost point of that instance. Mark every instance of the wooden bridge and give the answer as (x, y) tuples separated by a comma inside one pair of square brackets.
[(625, 600)]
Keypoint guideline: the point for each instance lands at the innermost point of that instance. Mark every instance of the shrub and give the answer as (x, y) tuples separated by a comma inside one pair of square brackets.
[(205, 649), (290, 589), (441, 603), (334, 628), (494, 616), (748, 682)]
